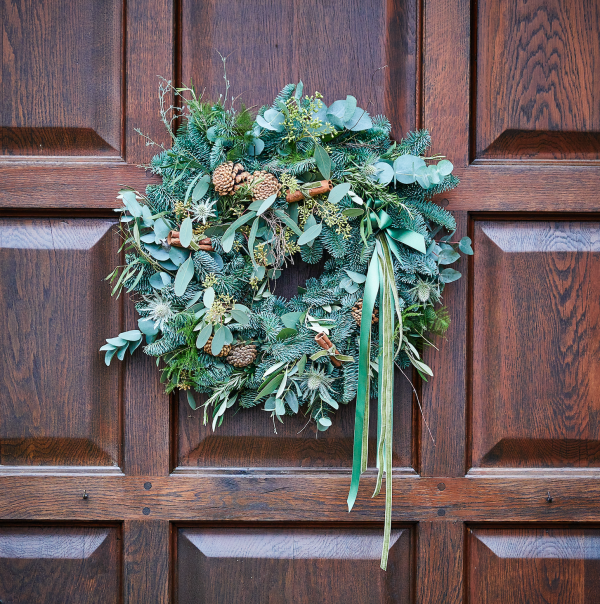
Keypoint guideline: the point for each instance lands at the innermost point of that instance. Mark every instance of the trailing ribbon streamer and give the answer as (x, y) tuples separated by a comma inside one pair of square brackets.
[(380, 278)]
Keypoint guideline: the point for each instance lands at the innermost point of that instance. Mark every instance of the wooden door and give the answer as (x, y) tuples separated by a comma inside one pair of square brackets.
[(111, 491)]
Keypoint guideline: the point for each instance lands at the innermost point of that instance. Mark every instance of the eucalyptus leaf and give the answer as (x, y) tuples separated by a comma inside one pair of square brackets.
[(201, 188), (218, 341), (338, 192), (290, 319), (257, 147), (266, 204), (464, 245), (445, 167), (323, 161), (286, 332), (312, 233), (325, 421), (204, 335), (183, 277), (191, 400), (240, 316), (178, 256), (209, 297), (356, 277), (186, 232), (448, 275), (229, 236), (448, 256)]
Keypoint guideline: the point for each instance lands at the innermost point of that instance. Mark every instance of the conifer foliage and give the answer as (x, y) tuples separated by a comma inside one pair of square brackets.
[(211, 291)]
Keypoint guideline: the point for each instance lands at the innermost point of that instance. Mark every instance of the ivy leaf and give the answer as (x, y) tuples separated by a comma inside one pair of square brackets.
[(218, 341), (323, 161), (448, 275), (186, 232), (204, 335), (229, 236), (312, 233), (338, 192), (464, 245), (183, 277)]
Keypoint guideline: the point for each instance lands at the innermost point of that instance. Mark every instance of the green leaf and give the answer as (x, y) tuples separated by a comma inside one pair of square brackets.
[(201, 188), (240, 316), (292, 400), (147, 327), (274, 368), (448, 275), (204, 335), (325, 421), (131, 336), (302, 364), (229, 236), (266, 204), (109, 355), (464, 246), (117, 342), (191, 400), (183, 277), (178, 256), (218, 341), (356, 277), (350, 108), (289, 221), (312, 233), (323, 161), (286, 332), (291, 319), (186, 232), (448, 256), (270, 387), (209, 297), (351, 212), (445, 167), (406, 166), (421, 366), (279, 407), (228, 335), (338, 192), (131, 203), (252, 239)]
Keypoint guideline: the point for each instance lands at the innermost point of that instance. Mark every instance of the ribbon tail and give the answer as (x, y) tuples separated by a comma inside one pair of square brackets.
[(360, 448)]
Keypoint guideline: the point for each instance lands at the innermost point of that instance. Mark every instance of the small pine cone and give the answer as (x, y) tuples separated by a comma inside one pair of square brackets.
[(357, 312), (228, 177), (224, 351), (242, 356), (266, 186)]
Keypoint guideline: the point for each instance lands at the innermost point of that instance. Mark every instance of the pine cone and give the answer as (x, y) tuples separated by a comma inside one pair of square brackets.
[(266, 185), (357, 312), (229, 177), (242, 356), (224, 351)]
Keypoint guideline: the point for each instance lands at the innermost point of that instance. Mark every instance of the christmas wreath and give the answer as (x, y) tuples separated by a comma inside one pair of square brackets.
[(242, 198)]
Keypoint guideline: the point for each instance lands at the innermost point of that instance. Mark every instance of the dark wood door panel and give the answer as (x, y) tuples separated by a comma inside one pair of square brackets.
[(536, 565), (60, 565), (61, 78), (536, 328), (334, 47), (537, 80), (303, 565), (60, 405)]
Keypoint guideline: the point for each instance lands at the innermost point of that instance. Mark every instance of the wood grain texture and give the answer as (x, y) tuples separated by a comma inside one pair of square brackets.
[(536, 323), (537, 565), (526, 188), (300, 565), (538, 79), (146, 545), (302, 497), (439, 562), (60, 565), (270, 44), (59, 403), (54, 186), (150, 50), (446, 55), (61, 72), (444, 396)]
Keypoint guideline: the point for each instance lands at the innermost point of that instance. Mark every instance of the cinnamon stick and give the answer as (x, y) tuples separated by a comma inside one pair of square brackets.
[(325, 187), (324, 342), (204, 244)]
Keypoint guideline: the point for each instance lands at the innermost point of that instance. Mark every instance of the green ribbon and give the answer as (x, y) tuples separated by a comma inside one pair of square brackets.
[(380, 278), (361, 427)]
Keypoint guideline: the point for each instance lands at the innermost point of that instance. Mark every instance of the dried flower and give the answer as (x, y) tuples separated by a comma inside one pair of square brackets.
[(203, 211), (160, 311)]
